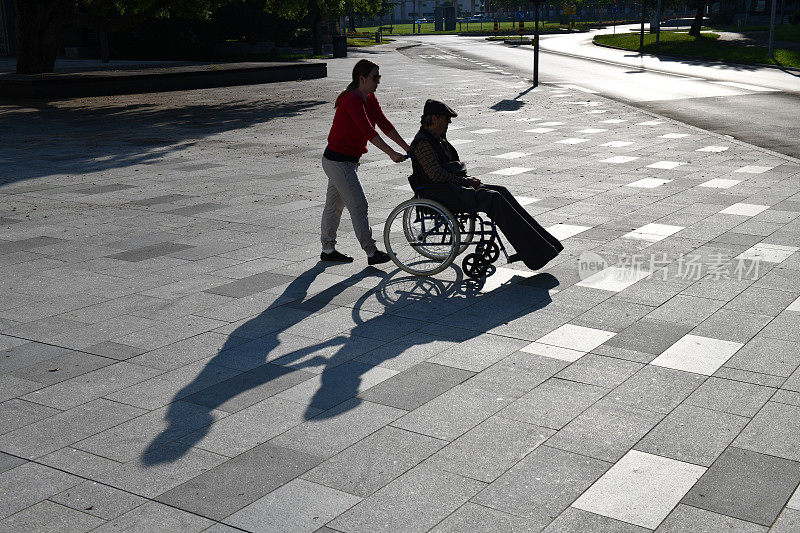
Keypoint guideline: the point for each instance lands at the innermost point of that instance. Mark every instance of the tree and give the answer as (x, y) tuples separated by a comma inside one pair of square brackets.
[(40, 24), (698, 18)]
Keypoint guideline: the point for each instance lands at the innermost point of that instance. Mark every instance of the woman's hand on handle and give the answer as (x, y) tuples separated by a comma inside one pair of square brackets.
[(397, 157)]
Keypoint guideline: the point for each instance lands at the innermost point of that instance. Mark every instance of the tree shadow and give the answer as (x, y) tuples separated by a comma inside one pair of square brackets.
[(78, 138), (383, 330)]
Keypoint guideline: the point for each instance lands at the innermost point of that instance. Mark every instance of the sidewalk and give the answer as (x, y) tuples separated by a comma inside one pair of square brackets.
[(174, 358)]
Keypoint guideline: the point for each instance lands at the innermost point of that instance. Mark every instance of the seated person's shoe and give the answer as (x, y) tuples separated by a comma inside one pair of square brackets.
[(513, 258), (378, 257), (335, 257)]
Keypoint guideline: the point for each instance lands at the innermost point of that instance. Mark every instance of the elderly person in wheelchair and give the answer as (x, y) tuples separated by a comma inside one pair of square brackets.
[(438, 175)]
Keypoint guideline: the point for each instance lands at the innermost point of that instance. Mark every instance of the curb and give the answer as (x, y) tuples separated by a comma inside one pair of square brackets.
[(793, 69), (58, 85)]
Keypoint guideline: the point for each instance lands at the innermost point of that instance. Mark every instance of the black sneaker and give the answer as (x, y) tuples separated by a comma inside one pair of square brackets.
[(335, 257), (378, 257)]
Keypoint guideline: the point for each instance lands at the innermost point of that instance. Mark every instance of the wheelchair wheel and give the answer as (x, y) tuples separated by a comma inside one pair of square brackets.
[(489, 251), (474, 266), (421, 236)]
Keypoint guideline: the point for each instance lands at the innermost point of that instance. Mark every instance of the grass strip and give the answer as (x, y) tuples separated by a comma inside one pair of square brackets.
[(707, 46)]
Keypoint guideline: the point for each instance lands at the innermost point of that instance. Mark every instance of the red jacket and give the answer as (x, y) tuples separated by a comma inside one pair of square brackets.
[(354, 124)]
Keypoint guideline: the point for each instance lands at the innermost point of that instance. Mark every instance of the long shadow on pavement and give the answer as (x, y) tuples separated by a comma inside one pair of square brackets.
[(73, 138), (383, 330)]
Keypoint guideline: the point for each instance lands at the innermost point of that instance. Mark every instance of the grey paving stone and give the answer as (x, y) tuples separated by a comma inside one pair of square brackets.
[(764, 380), (7, 462), (649, 336), (605, 431), (416, 386), (98, 500), (786, 326), (149, 252), (156, 200), (62, 367), (480, 519), (238, 482), (157, 518), (374, 461), (22, 245), (554, 403), (28, 354), (251, 285), (767, 356), (103, 189), (196, 209), (607, 372), (298, 506), (732, 326), (746, 485), (761, 301), (656, 389), (772, 431), (551, 478), (574, 519), (517, 374), (688, 310), (453, 413), (693, 435), (488, 450), (788, 521), (17, 413), (687, 518), (478, 353), (78, 462), (248, 388), (730, 396), (331, 431), (114, 350), (613, 315), (416, 501), (48, 517), (30, 483)]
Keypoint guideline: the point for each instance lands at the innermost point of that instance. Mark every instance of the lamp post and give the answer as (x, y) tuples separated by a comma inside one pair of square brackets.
[(772, 30)]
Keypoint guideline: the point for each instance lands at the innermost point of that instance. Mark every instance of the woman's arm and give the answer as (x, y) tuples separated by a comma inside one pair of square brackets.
[(381, 144), (393, 135)]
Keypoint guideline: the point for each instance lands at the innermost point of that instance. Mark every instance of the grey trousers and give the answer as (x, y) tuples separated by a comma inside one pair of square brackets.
[(344, 190)]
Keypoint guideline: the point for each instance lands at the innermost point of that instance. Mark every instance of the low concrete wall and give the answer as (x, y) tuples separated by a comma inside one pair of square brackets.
[(100, 83)]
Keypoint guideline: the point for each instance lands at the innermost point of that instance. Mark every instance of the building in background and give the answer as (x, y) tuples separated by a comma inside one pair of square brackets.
[(6, 28)]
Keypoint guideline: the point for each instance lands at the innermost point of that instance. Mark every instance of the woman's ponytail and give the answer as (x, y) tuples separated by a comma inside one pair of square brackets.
[(362, 68)]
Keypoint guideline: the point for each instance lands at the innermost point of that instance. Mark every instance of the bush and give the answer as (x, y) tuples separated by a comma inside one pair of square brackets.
[(794, 18)]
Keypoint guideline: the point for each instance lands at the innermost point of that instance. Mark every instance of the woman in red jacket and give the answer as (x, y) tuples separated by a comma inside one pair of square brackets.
[(357, 114)]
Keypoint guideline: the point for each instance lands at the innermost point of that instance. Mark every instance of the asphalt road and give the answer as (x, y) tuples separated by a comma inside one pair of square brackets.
[(757, 105)]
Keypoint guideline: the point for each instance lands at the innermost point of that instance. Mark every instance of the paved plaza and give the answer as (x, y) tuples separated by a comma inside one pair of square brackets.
[(173, 357)]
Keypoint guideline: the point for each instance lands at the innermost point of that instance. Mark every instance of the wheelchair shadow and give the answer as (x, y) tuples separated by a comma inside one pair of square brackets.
[(344, 359)]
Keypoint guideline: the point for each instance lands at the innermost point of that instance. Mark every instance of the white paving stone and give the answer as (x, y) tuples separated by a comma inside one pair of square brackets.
[(614, 278), (651, 123), (675, 135), (614, 121), (553, 352), (794, 306), (565, 231), (653, 232), (540, 130), (551, 123), (667, 165), (648, 183), (771, 253), (484, 131), (753, 169), (617, 159), (719, 183), (617, 144), (640, 489), (712, 148), (512, 155), (573, 140), (745, 210), (700, 355), (526, 200), (503, 275), (578, 338), (592, 130), (456, 142), (511, 171)]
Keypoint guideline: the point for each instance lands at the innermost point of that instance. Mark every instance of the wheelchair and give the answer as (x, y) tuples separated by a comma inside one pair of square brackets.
[(422, 237)]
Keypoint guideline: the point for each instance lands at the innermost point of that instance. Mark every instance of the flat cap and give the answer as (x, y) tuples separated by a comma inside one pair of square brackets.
[(435, 107)]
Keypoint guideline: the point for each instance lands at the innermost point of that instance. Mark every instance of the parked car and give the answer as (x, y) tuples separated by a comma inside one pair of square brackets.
[(421, 21), (476, 18)]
